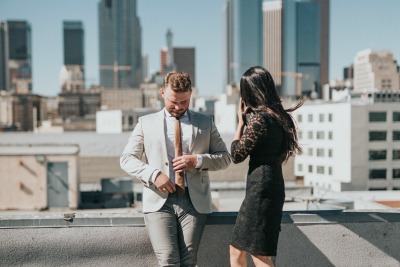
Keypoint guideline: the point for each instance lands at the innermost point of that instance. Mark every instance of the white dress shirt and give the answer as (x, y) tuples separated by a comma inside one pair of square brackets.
[(169, 133)]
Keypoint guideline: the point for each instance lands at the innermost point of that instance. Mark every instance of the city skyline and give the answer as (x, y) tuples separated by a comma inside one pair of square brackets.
[(355, 25)]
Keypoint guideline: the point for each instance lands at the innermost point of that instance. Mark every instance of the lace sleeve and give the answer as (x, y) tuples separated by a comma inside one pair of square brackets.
[(256, 127)]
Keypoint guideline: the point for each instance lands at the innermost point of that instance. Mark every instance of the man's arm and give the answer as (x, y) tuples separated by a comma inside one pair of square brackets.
[(218, 157), (130, 160)]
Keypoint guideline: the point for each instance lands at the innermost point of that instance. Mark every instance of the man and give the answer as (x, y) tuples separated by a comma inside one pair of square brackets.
[(175, 217)]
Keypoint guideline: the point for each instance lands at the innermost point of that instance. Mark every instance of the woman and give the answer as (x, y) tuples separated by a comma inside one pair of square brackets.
[(268, 134)]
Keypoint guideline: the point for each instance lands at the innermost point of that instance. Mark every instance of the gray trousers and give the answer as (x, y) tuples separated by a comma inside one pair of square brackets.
[(175, 231)]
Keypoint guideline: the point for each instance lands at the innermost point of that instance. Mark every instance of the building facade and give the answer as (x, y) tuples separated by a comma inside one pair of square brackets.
[(120, 44), (72, 75), (375, 70), (272, 40), (296, 45), (351, 145), (15, 56), (243, 37), (185, 60)]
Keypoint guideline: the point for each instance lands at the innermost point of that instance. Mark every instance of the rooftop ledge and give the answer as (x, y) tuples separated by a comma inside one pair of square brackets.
[(308, 238), (104, 219)]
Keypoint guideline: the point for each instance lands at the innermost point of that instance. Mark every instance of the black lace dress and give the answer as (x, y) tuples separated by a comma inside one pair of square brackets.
[(258, 223)]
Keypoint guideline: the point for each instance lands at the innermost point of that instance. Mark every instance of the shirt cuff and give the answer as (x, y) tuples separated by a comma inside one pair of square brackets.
[(154, 175), (199, 161)]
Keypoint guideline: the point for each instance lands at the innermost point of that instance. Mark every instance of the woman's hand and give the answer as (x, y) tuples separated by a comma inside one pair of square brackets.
[(242, 111)]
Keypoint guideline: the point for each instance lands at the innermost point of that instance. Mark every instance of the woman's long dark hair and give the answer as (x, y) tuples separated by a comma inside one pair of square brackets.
[(258, 92)]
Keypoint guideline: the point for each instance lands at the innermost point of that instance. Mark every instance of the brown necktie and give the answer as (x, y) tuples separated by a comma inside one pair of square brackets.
[(179, 181)]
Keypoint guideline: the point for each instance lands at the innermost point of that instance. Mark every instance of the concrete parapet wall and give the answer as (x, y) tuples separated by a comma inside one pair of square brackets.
[(324, 238)]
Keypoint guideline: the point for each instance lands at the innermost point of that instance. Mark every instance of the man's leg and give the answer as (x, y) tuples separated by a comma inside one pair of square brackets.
[(162, 227), (191, 226)]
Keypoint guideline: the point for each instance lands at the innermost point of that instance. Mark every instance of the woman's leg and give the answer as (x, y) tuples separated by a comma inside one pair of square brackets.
[(237, 257), (262, 261)]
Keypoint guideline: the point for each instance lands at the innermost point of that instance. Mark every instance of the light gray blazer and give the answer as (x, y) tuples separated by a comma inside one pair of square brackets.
[(146, 152)]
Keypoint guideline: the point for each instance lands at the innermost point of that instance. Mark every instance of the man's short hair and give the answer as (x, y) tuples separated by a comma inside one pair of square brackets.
[(179, 81)]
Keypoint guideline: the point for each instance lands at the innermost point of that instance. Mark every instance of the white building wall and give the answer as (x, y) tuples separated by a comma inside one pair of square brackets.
[(109, 121), (346, 135), (325, 131), (225, 115)]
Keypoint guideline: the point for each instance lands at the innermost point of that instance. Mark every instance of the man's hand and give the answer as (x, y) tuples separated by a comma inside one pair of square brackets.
[(185, 162), (164, 184)]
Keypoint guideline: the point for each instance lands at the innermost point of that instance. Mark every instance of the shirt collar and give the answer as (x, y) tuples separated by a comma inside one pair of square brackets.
[(167, 114)]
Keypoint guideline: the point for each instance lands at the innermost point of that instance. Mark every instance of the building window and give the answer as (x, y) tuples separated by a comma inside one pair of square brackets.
[(320, 169), (300, 135), (396, 135), (300, 168), (330, 170), (396, 116), (377, 116), (377, 174), (310, 135), (377, 136), (330, 135), (310, 169), (377, 188), (130, 120), (330, 153), (396, 174), (377, 154), (310, 118), (320, 152), (330, 117), (299, 118), (321, 117), (320, 135), (396, 154), (310, 151)]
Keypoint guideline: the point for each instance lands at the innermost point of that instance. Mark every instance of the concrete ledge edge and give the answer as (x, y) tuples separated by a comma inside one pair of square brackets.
[(217, 218)]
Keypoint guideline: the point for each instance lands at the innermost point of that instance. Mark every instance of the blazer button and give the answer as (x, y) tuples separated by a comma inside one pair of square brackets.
[(166, 163)]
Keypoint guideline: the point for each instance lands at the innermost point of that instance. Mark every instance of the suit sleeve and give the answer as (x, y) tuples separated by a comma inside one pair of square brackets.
[(218, 157), (130, 160)]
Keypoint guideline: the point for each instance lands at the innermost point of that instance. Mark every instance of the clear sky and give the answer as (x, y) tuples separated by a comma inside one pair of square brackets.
[(355, 25)]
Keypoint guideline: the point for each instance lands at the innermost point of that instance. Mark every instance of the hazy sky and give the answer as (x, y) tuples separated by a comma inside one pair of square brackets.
[(355, 25)]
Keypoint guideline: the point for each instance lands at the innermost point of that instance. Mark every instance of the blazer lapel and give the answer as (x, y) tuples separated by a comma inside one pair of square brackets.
[(195, 127), (159, 128)]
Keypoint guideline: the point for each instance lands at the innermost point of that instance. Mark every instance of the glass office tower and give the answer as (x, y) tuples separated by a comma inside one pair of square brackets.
[(305, 48), (120, 44), (73, 43), (15, 56), (243, 37), (72, 75)]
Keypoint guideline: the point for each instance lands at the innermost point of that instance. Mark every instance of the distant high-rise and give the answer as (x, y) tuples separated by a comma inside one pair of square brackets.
[(163, 60), (15, 56), (73, 43), (184, 60), (178, 58), (243, 39), (375, 70), (272, 40), (305, 44), (72, 75), (120, 44)]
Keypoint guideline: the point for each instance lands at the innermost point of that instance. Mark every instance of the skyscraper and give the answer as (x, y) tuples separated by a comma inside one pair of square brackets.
[(303, 44), (120, 44), (15, 56), (73, 43), (178, 58), (184, 60), (243, 39), (272, 40), (73, 72)]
